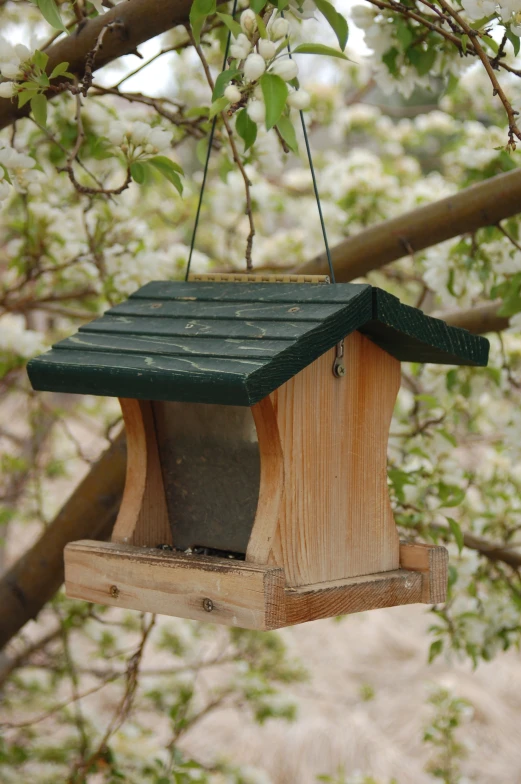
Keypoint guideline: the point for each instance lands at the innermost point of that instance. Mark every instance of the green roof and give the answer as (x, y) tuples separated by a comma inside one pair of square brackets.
[(234, 343)]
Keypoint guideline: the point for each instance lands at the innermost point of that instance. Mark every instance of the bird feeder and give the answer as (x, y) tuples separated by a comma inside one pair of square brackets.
[(257, 417)]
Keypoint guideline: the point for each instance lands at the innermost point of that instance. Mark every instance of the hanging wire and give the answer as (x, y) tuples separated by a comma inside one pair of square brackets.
[(311, 167), (315, 186), (208, 153)]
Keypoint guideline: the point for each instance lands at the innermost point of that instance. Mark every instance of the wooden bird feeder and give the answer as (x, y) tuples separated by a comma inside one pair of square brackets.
[(257, 418)]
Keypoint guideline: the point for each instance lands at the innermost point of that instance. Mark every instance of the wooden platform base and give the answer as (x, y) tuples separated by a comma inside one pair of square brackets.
[(237, 593)]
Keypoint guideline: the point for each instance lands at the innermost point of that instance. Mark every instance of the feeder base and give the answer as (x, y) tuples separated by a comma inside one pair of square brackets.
[(238, 593)]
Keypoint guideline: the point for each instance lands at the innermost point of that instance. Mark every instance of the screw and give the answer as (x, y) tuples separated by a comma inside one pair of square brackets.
[(114, 591), (339, 370), (207, 605)]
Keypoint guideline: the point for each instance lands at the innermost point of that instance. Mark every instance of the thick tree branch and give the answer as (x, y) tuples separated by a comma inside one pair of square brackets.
[(140, 20), (89, 513), (480, 205), (479, 320)]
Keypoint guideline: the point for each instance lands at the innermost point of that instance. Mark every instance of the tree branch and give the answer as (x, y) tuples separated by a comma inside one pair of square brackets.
[(89, 513), (137, 21), (478, 320), (484, 204)]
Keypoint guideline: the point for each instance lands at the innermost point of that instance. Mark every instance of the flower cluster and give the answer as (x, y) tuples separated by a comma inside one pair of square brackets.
[(259, 53), (17, 170), (509, 11), (138, 140)]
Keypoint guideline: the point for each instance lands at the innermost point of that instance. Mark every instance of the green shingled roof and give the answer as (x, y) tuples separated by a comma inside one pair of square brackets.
[(234, 343)]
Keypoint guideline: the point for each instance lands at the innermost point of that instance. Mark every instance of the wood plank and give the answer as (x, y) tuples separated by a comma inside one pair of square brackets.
[(357, 594), (169, 346), (261, 277), (243, 595), (143, 515), (410, 335), (249, 292), (206, 330), (433, 563), (336, 519), (242, 311)]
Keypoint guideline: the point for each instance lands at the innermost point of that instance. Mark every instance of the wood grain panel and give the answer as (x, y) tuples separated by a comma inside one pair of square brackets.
[(244, 595), (433, 563), (143, 515), (336, 520)]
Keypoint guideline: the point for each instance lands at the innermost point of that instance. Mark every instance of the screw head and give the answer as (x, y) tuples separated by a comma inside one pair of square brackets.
[(207, 605), (114, 591), (340, 369)]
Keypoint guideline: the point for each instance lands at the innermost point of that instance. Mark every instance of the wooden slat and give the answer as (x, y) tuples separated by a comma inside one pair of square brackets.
[(408, 334), (207, 330), (241, 311), (168, 346), (244, 595), (336, 519), (433, 563), (356, 594), (143, 515), (341, 293)]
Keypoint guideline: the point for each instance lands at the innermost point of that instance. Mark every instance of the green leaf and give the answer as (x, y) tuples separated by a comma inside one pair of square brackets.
[(24, 97), (457, 532), (404, 34), (39, 109), (224, 78), (60, 70), (262, 27), (246, 128), (326, 51), (287, 131), (49, 11), (336, 21), (435, 650), (40, 59), (198, 12), (218, 106), (169, 169), (421, 59), (450, 495), (514, 40), (389, 58), (275, 93), (490, 41), (511, 297), (233, 26), (164, 163), (138, 172), (464, 43), (257, 5)]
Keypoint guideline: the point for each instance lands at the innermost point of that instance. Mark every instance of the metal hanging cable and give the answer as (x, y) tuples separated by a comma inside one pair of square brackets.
[(311, 167)]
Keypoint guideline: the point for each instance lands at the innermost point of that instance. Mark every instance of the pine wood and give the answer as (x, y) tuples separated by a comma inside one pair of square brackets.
[(335, 519), (356, 594), (143, 516), (433, 564), (244, 595)]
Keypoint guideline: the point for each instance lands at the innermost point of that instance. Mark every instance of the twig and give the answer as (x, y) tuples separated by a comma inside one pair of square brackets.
[(235, 153)]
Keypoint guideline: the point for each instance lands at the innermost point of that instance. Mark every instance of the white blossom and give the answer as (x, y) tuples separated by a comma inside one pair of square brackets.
[(267, 49), (256, 111), (240, 47), (279, 28), (254, 67), (248, 21), (286, 69), (232, 93), (299, 99)]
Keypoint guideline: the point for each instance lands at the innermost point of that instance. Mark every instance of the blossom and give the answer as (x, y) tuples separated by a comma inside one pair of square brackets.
[(16, 339), (256, 111), (232, 93), (248, 21), (299, 99), (279, 28), (12, 57), (6, 89), (286, 69), (267, 49), (477, 9), (241, 47), (254, 67), (142, 138)]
